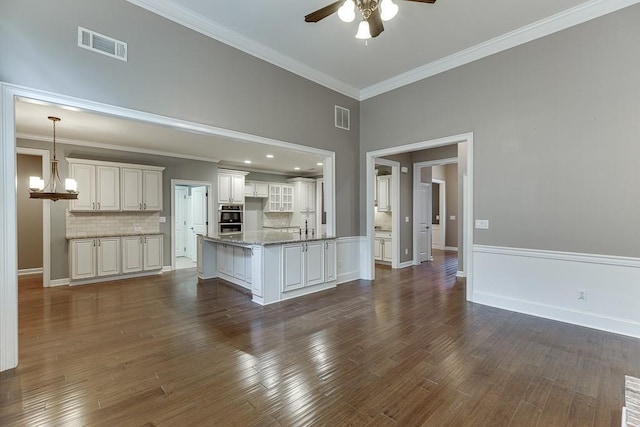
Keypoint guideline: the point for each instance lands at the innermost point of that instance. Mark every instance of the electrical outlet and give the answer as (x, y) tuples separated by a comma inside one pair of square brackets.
[(406, 251), (582, 294), (482, 224), (406, 219)]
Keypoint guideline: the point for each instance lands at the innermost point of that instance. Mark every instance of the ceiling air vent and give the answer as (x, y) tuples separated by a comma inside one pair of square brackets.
[(342, 118), (102, 44)]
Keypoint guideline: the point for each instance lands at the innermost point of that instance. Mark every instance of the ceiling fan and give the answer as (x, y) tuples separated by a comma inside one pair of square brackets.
[(373, 13)]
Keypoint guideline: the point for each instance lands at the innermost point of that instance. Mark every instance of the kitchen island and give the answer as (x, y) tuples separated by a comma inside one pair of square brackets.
[(272, 265)]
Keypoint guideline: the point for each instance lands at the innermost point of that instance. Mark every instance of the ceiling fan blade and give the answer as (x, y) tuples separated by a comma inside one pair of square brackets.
[(375, 23), (324, 12), (423, 1)]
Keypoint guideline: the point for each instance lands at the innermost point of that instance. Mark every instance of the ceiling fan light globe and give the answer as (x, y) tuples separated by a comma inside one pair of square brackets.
[(347, 12), (363, 31), (388, 10)]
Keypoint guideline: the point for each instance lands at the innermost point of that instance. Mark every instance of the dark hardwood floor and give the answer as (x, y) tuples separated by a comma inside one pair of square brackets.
[(406, 349)]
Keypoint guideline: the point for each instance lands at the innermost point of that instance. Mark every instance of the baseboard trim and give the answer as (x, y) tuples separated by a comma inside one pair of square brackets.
[(405, 264), (29, 271), (561, 314), (451, 248), (348, 277), (59, 282), (166, 268), (95, 280)]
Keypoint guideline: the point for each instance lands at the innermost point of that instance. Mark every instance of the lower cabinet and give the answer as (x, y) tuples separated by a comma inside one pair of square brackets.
[(111, 256), (235, 263), (382, 249), (303, 264)]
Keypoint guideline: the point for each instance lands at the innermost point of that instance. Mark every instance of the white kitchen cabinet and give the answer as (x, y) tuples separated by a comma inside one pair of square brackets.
[(82, 263), (152, 252), (132, 254), (108, 256), (384, 193), (387, 254), (304, 194), (377, 249), (231, 187), (303, 264), (256, 189), (141, 189), (280, 198), (330, 260), (382, 247), (235, 264), (98, 186), (225, 259)]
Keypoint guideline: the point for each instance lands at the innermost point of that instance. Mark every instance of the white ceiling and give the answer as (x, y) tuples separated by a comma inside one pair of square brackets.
[(421, 40), (97, 130)]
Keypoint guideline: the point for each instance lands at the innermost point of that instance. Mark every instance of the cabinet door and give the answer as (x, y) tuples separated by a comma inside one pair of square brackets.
[(108, 256), (107, 188), (310, 196), (83, 259), (330, 260), (384, 194), (387, 254), (238, 262), (249, 189), (248, 265), (275, 198), (131, 199), (377, 249), (314, 263), (237, 189), (85, 176), (151, 190), (287, 198), (152, 252), (132, 256), (225, 259), (293, 265), (224, 188), (261, 189), (200, 256), (256, 271)]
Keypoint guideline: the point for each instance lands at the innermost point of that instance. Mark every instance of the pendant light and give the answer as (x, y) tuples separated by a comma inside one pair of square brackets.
[(37, 187)]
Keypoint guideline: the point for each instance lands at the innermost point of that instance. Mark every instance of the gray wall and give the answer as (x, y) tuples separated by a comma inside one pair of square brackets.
[(29, 213), (555, 122), (177, 72), (174, 169)]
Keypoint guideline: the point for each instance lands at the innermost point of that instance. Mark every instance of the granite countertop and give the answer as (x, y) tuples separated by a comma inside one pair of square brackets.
[(264, 237), (115, 234)]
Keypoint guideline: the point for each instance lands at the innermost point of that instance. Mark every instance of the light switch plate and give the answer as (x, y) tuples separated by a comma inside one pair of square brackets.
[(452, 217), (482, 224), (162, 219), (406, 219)]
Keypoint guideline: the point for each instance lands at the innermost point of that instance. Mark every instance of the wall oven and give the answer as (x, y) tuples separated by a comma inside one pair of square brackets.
[(230, 220)]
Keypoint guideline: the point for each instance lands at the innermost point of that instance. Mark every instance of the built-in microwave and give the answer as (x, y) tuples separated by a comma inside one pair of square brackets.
[(230, 220)]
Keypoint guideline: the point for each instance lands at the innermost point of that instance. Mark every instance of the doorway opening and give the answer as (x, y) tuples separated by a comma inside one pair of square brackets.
[(191, 209)]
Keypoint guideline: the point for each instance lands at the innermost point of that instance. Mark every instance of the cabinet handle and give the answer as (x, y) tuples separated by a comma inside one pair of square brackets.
[(94, 243), (94, 206), (145, 240), (99, 242), (140, 206), (144, 206), (98, 205)]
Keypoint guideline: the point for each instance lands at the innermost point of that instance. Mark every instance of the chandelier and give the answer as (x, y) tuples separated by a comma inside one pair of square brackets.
[(387, 9), (37, 187)]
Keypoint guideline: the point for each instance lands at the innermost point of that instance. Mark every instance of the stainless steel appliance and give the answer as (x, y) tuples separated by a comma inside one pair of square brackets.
[(230, 220)]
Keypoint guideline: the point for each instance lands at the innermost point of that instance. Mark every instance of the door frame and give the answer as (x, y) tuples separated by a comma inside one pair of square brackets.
[(368, 266), (416, 224), (46, 212), (176, 213), (442, 212), (210, 227)]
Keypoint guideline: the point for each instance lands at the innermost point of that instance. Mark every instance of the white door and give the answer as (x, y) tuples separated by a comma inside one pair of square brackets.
[(424, 222), (437, 214), (198, 218), (132, 256), (108, 188), (152, 190), (131, 189), (180, 224), (152, 252), (108, 256)]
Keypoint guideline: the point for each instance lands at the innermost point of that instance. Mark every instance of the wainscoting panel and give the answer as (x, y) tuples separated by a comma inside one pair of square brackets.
[(597, 291), (348, 253)]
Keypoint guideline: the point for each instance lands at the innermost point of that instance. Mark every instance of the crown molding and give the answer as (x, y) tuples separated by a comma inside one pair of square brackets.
[(185, 17), (105, 146), (558, 22)]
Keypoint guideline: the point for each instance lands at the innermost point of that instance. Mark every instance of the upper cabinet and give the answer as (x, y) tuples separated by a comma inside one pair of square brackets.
[(280, 198), (304, 194), (141, 189), (108, 186), (98, 186), (231, 188), (256, 189), (383, 190)]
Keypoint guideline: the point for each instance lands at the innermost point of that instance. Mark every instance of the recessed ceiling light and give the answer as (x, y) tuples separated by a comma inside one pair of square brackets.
[(269, 156), (319, 163), (296, 168), (248, 162)]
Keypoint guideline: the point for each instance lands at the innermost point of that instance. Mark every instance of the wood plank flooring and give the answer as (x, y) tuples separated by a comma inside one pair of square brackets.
[(404, 350)]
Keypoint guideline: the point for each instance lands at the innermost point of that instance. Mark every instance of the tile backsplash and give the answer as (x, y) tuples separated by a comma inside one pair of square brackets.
[(90, 224), (383, 220), (276, 219)]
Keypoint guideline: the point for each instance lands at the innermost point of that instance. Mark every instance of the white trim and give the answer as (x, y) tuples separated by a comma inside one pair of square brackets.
[(558, 22), (210, 213), (451, 248), (461, 274), (117, 278), (368, 270), (29, 271), (406, 264), (442, 212), (59, 282), (166, 269), (8, 255), (46, 213), (348, 256), (395, 208), (547, 283), (544, 27), (185, 17)]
